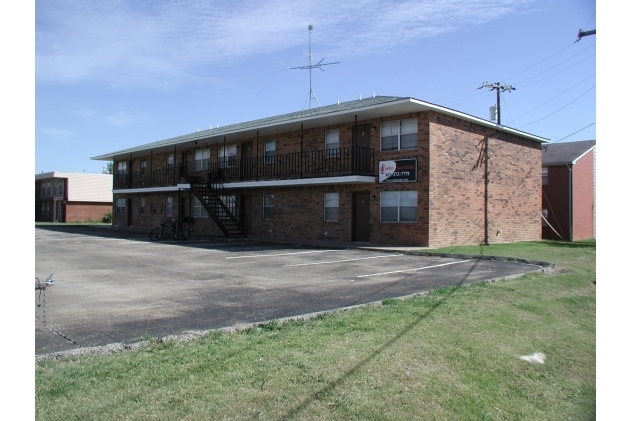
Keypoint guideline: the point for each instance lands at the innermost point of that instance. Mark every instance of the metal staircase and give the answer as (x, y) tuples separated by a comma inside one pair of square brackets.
[(211, 195)]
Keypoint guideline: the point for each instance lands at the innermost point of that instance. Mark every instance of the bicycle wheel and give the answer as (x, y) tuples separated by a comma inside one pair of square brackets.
[(155, 234)]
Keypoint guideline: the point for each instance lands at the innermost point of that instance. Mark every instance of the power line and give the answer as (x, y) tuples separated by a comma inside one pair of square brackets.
[(560, 71), (580, 52), (497, 88), (566, 105), (564, 48), (589, 125)]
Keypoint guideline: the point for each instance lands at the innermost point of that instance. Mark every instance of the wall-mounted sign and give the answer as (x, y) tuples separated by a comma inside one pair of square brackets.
[(398, 171)]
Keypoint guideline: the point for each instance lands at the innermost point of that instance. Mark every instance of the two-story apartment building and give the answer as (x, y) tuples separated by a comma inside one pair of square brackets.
[(72, 197), (383, 170)]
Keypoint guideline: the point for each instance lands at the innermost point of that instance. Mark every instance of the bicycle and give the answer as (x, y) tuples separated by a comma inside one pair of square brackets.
[(167, 228)]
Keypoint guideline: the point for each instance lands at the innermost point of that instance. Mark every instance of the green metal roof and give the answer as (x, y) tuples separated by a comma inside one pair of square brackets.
[(344, 112)]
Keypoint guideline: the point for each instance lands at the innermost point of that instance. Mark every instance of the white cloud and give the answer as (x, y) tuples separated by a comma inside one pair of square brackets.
[(149, 42)]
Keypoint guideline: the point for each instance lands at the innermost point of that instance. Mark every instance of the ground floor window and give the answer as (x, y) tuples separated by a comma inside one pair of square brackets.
[(331, 206), (120, 206), (198, 209), (169, 208), (268, 206), (544, 213), (141, 205), (231, 203), (399, 206)]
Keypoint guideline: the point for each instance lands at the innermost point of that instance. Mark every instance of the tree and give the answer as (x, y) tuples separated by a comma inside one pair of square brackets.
[(109, 168)]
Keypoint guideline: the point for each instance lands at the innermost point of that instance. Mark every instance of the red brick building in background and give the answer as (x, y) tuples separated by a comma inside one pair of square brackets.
[(382, 170), (569, 191), (72, 197)]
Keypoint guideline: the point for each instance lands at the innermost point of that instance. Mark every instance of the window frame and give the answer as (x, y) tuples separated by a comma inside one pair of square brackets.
[(268, 211), (141, 206), (399, 124), (332, 152), (269, 154), (199, 211), (544, 214), (121, 169), (399, 193), (168, 207), (230, 160), (544, 176), (202, 157), (337, 207), (121, 205)]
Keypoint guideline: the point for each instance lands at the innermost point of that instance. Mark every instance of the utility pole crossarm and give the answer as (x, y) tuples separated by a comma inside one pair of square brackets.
[(497, 87), (582, 34)]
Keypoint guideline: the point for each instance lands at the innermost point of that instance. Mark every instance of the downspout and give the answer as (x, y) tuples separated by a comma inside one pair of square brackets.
[(486, 191), (257, 156), (301, 138), (571, 202)]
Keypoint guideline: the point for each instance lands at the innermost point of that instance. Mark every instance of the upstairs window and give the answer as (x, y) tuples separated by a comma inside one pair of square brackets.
[(544, 176), (121, 169), (399, 135), (201, 159), (143, 166), (227, 156), (270, 151), (332, 143), (170, 162)]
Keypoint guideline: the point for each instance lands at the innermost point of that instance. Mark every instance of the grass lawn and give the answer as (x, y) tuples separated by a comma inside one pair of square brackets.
[(453, 354)]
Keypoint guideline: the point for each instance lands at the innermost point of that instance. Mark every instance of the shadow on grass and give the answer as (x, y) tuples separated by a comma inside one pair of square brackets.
[(334, 384)]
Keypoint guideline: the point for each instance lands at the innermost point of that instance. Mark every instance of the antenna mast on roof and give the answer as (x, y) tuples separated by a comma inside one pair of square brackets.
[(312, 66)]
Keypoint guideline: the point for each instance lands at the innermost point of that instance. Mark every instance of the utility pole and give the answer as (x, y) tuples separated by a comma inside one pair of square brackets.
[(582, 34), (497, 87), (312, 66)]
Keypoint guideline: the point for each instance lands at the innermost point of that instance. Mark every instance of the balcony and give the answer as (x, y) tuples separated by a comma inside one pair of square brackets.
[(300, 165)]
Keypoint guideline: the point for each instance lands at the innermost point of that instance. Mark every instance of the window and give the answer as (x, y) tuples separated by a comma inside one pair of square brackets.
[(122, 169), (169, 208), (544, 176), (331, 206), (399, 135), (399, 206), (198, 209), (332, 143), (170, 162), (230, 202), (143, 166), (120, 206), (268, 206), (544, 214), (270, 151), (141, 206), (227, 156), (201, 159)]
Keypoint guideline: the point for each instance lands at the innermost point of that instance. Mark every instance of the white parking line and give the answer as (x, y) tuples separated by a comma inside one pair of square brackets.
[(412, 270), (341, 261), (280, 254)]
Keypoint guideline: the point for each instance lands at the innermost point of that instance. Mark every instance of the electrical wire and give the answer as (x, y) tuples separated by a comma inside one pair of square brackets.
[(554, 97), (560, 71), (562, 49), (566, 105)]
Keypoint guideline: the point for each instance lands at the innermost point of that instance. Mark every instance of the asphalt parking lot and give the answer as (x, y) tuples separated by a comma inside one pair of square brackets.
[(119, 287)]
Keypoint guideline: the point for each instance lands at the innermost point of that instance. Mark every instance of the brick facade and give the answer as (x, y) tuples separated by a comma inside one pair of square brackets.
[(453, 207)]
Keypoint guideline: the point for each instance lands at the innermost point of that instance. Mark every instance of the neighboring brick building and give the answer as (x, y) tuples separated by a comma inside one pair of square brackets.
[(383, 170), (569, 191), (72, 197)]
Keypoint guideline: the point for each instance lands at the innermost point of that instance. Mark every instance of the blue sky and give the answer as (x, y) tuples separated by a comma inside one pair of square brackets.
[(110, 75)]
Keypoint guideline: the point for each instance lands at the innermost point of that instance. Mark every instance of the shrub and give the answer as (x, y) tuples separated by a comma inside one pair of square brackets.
[(107, 219)]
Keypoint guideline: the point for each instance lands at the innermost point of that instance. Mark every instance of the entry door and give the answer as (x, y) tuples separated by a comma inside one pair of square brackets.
[(130, 220), (361, 217), (362, 143), (247, 161), (246, 213)]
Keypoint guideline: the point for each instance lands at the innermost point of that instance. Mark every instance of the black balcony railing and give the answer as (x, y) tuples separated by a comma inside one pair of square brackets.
[(327, 163)]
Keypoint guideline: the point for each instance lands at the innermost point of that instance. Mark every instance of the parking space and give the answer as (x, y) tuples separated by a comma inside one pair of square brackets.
[(115, 287)]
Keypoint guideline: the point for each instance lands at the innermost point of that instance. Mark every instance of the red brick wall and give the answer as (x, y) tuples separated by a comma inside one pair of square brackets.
[(583, 198), (86, 211), (457, 185)]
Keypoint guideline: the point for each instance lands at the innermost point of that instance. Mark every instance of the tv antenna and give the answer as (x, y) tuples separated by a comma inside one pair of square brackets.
[(310, 67)]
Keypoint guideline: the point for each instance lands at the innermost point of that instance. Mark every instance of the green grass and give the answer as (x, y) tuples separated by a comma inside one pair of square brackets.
[(450, 355)]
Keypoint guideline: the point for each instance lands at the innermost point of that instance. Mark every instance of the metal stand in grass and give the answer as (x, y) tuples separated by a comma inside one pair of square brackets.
[(43, 286), (168, 229)]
